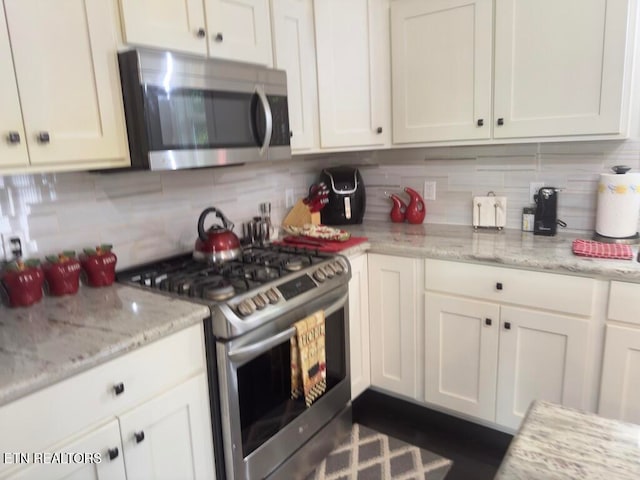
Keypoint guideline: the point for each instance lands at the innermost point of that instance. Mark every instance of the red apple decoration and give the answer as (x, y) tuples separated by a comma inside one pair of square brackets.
[(23, 282), (62, 273), (99, 265)]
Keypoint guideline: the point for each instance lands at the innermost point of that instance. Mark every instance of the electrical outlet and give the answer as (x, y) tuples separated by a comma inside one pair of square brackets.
[(533, 189), (429, 192), (289, 199), (12, 242)]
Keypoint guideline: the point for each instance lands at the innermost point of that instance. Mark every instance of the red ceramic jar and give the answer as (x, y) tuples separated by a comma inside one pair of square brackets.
[(23, 282), (99, 265), (62, 273)]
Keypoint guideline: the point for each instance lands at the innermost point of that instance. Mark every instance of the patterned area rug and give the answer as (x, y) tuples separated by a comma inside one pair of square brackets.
[(371, 455)]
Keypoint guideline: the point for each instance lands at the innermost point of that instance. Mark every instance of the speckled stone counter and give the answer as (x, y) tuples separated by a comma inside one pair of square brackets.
[(59, 337), (558, 443), (507, 247)]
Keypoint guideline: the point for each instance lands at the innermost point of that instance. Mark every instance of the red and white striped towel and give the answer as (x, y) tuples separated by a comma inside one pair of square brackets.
[(589, 248)]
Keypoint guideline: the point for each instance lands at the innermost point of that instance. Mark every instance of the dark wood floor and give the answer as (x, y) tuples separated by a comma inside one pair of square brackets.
[(476, 451)]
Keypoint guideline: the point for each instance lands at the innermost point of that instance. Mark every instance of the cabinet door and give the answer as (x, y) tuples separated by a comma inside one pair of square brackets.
[(101, 441), (169, 437), (239, 30), (171, 24), (359, 326), (295, 52), (461, 362), (13, 149), (620, 386), (543, 356), (393, 299), (66, 67), (352, 42), (559, 67), (441, 69)]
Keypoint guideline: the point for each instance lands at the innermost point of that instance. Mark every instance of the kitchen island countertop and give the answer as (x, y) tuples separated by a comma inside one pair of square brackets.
[(62, 336), (507, 247), (559, 443)]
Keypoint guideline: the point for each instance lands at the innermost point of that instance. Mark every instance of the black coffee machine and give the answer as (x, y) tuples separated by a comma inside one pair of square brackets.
[(546, 216), (347, 198)]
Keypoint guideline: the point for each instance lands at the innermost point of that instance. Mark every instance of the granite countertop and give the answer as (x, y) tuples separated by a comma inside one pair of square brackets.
[(507, 247), (61, 336), (559, 443)]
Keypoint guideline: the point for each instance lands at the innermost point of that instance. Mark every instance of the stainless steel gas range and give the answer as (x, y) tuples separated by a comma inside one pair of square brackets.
[(259, 430)]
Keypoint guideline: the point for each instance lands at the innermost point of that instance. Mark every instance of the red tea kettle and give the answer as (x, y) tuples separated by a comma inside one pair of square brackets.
[(219, 243)]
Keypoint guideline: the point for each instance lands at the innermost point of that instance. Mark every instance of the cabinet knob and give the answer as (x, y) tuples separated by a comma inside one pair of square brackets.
[(13, 137), (501, 121), (139, 436), (499, 286), (113, 453), (291, 134), (43, 137), (507, 325), (379, 130), (201, 33), (219, 37), (487, 321), (480, 122), (118, 388)]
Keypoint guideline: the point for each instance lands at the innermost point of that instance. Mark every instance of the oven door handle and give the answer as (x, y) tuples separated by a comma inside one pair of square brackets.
[(268, 118), (239, 355)]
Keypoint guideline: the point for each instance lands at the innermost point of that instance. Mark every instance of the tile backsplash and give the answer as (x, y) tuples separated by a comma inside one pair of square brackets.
[(148, 215)]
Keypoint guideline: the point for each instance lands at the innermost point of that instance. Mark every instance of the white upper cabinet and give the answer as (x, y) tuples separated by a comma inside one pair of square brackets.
[(171, 24), (352, 43), (66, 68), (441, 67), (559, 67), (558, 70), (230, 29), (239, 30), (13, 147), (295, 52)]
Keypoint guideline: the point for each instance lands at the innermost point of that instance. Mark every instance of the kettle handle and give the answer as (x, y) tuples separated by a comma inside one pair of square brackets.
[(225, 222)]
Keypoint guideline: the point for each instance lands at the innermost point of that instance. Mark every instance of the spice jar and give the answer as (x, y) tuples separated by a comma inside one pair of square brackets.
[(528, 216)]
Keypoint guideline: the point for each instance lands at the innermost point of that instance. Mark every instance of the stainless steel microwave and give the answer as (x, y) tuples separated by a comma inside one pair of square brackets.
[(185, 111)]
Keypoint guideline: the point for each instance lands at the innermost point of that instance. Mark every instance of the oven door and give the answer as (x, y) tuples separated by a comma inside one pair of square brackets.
[(262, 425)]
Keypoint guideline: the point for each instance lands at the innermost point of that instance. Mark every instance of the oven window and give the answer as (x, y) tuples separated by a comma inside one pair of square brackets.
[(185, 119), (264, 386)]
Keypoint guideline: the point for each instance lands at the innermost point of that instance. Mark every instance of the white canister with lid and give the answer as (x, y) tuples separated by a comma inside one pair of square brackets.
[(618, 203)]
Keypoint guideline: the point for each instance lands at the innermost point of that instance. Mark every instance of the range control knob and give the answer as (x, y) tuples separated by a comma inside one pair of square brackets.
[(246, 307), (338, 267), (319, 275), (261, 301), (329, 271), (273, 296)]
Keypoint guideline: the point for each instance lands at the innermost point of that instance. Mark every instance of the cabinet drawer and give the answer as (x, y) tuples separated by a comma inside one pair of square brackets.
[(67, 407), (624, 302), (549, 291)]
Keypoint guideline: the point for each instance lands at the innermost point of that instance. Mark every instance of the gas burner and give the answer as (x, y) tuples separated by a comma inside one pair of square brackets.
[(265, 274), (218, 291), (294, 264)]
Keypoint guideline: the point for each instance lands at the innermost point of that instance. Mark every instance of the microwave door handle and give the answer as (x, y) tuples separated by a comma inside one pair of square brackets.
[(268, 119), (243, 354)]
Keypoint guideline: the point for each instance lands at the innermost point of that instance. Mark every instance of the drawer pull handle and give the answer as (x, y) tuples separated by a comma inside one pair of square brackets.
[(113, 453), (487, 321), (118, 388), (501, 121), (139, 436), (201, 33), (499, 286), (219, 38), (379, 130), (507, 325), (43, 137), (480, 122)]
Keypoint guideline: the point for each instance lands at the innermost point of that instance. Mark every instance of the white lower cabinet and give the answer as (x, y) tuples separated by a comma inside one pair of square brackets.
[(359, 325), (490, 360), (394, 306), (620, 385), (146, 413)]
